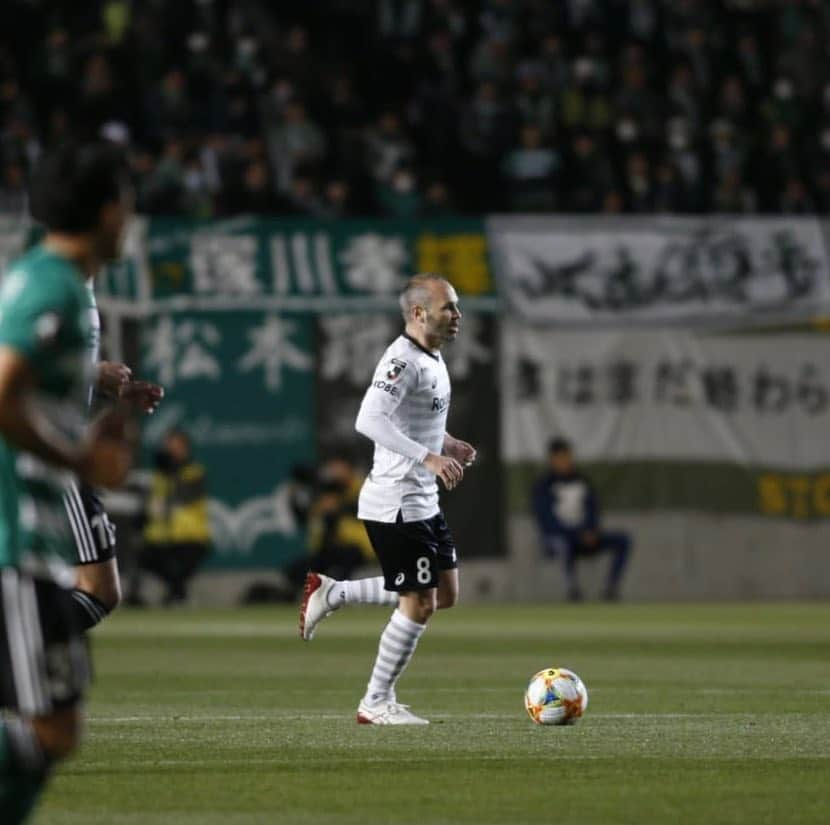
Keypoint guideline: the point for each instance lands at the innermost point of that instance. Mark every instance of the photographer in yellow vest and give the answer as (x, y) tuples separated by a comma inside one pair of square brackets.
[(177, 527)]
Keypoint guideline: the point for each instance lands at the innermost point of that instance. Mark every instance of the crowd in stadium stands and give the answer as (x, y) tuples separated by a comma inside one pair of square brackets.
[(404, 108)]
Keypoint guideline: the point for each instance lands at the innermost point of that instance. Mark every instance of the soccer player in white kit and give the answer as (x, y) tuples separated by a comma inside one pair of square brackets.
[(404, 412)]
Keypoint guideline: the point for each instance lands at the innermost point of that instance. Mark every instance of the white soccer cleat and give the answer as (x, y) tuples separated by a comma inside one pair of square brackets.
[(387, 713), (315, 606)]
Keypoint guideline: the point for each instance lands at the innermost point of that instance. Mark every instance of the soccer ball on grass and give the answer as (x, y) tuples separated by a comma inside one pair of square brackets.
[(556, 696)]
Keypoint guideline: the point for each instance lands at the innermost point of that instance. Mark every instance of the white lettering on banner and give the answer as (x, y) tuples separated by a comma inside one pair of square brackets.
[(302, 262), (237, 529), (289, 430), (224, 264), (181, 351), (207, 431), (580, 270), (375, 263), (668, 394), (272, 350), (467, 350), (352, 345)]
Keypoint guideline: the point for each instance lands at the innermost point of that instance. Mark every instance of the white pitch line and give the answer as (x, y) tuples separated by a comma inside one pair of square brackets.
[(292, 716)]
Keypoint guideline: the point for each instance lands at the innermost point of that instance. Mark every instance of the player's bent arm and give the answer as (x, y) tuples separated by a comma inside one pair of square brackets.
[(20, 423), (103, 461), (377, 425)]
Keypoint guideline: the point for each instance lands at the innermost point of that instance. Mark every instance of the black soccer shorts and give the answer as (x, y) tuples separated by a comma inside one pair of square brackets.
[(44, 664), (412, 553), (92, 530)]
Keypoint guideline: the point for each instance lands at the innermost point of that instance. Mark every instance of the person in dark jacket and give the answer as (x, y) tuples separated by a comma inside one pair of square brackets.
[(567, 512)]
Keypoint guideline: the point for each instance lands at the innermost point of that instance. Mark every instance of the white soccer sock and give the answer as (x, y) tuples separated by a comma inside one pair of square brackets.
[(366, 591), (397, 644)]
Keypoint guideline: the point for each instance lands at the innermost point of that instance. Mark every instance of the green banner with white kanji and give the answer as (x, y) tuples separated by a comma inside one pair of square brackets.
[(310, 264), (241, 383)]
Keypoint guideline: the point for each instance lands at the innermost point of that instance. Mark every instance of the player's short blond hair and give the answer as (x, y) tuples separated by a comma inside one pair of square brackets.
[(416, 293)]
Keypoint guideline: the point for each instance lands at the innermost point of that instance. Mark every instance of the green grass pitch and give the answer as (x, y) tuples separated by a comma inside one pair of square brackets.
[(698, 714)]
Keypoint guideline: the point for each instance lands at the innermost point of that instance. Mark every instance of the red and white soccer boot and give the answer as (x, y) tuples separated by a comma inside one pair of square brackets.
[(315, 605)]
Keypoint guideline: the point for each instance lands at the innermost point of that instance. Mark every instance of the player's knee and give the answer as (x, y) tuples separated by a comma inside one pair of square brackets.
[(447, 599), (111, 595), (59, 733), (422, 606), (105, 588)]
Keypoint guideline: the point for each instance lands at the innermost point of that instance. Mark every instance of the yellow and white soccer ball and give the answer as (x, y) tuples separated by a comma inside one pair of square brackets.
[(556, 696)]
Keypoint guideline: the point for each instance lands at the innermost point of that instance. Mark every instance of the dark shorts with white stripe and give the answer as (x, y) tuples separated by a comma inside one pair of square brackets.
[(94, 533), (44, 664), (412, 553)]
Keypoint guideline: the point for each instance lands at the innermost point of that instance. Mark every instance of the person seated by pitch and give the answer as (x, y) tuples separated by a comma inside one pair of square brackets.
[(568, 516)]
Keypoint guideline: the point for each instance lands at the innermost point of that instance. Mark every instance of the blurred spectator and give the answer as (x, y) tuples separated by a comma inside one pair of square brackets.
[(638, 183), (296, 141), (437, 201), (568, 518), (254, 194), (731, 196), (177, 529), (400, 197), (751, 62), (643, 19), (436, 88), (589, 175), (337, 199), (534, 104), (669, 192), (302, 197), (492, 59), (683, 98), (795, 200), (167, 110), (778, 164), (727, 156), (613, 202), (584, 104), (161, 189), (784, 105), (530, 171), (13, 195), (337, 541), (387, 147), (637, 100), (733, 104), (554, 64), (686, 159)]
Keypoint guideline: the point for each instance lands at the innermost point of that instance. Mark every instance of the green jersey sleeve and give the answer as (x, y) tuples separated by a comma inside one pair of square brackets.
[(35, 314)]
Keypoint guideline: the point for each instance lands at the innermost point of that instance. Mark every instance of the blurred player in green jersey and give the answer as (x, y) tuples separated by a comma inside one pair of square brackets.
[(83, 197)]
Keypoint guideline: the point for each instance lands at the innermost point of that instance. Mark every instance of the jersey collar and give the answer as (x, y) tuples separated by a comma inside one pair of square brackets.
[(422, 348)]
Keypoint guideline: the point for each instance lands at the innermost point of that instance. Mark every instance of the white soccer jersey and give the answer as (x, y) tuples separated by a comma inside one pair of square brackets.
[(404, 412)]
